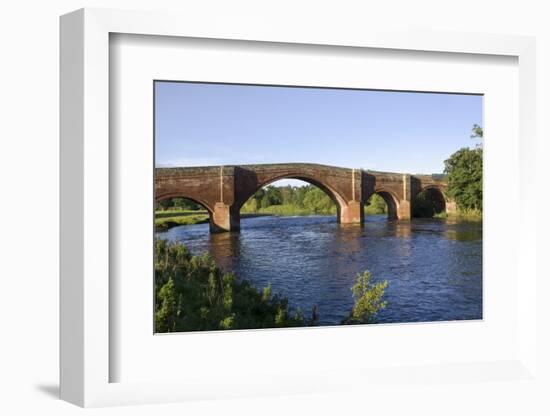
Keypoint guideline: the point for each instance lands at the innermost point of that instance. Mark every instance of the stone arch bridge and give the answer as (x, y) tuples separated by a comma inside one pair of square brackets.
[(222, 190)]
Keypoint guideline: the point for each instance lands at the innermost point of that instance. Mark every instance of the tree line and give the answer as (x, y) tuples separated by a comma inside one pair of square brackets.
[(308, 199), (181, 204), (301, 200)]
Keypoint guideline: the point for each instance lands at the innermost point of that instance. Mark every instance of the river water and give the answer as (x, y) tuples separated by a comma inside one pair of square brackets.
[(433, 266)]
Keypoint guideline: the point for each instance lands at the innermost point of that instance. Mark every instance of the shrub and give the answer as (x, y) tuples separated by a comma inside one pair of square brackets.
[(193, 294), (368, 299)]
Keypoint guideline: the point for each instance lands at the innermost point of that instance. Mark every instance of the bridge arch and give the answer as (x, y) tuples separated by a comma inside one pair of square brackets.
[(336, 197), (211, 211), (391, 200), (429, 201), (196, 200)]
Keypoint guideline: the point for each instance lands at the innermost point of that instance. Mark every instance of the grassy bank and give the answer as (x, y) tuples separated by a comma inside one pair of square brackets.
[(287, 210), (462, 214), (165, 220), (293, 210), (178, 212), (468, 214)]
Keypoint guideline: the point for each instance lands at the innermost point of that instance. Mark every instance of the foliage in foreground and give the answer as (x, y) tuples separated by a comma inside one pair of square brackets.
[(193, 294), (368, 299)]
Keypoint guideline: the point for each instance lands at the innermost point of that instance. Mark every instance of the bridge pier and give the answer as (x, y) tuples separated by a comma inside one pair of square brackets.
[(351, 213), (224, 218), (404, 210)]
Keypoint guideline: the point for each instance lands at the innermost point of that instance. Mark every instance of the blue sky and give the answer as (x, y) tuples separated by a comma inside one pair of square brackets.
[(216, 124)]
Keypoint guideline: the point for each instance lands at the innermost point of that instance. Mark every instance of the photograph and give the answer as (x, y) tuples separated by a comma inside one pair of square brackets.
[(279, 206)]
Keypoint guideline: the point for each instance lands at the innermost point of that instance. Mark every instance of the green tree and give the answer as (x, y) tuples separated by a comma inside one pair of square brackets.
[(318, 201), (368, 299), (464, 171), (477, 131), (376, 205), (165, 204), (250, 206), (185, 204), (303, 200)]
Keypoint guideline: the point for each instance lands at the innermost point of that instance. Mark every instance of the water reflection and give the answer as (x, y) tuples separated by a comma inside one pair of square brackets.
[(433, 266), (224, 248), (402, 229), (472, 233)]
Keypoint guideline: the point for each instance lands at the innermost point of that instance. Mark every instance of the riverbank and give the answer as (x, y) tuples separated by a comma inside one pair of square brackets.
[(296, 211), (287, 211), (164, 220), (468, 215)]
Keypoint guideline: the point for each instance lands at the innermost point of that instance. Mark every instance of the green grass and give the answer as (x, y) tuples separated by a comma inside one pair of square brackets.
[(177, 213), (165, 220), (374, 210), (293, 210), (468, 214)]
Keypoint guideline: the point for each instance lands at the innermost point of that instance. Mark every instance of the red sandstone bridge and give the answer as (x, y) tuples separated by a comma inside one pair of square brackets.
[(223, 190)]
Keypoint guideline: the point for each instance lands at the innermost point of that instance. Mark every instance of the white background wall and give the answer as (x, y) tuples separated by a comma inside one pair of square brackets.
[(29, 189)]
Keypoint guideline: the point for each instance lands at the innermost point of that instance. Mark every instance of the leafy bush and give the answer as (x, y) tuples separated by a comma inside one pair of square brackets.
[(368, 299), (193, 294)]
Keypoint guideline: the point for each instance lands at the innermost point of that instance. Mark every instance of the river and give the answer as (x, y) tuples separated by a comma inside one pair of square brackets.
[(433, 266)]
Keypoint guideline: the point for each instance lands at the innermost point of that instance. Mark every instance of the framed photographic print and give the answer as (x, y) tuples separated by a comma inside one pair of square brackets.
[(275, 212)]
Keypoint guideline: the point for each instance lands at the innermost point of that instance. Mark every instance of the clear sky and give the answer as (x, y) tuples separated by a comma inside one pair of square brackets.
[(216, 124)]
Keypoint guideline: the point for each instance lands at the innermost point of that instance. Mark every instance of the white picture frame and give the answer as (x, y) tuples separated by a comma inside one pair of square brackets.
[(85, 353)]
